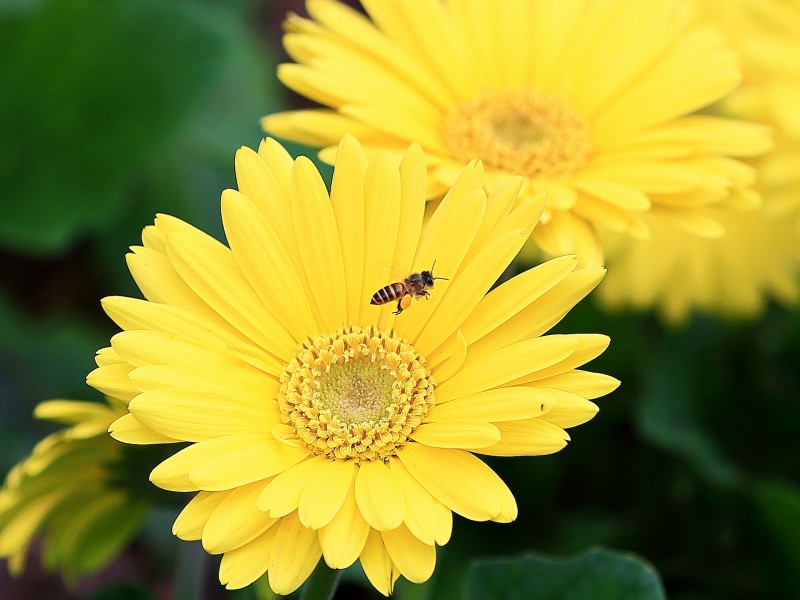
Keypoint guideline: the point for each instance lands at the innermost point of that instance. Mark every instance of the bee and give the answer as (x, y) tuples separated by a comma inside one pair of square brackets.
[(416, 285)]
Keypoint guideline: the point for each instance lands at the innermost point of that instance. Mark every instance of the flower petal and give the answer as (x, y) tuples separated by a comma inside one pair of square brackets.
[(320, 252), (379, 497), (128, 430), (192, 519), (427, 518), (245, 465), (192, 416), (236, 521), (415, 559), (377, 565), (282, 495), (506, 365), (257, 249), (343, 539), (466, 434), (242, 566), (323, 495), (499, 404), (455, 478), (294, 554), (532, 437)]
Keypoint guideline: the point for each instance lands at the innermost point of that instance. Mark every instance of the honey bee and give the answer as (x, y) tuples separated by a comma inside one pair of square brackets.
[(416, 285)]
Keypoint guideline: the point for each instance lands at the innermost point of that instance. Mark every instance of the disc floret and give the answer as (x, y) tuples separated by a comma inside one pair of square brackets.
[(357, 393)]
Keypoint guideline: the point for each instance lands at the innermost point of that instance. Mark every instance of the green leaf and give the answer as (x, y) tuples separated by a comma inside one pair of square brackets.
[(666, 414), (594, 575), (92, 92)]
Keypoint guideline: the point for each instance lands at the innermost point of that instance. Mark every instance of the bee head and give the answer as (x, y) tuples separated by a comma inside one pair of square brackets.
[(429, 278)]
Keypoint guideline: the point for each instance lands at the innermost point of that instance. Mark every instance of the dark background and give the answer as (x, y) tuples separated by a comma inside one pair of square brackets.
[(113, 111)]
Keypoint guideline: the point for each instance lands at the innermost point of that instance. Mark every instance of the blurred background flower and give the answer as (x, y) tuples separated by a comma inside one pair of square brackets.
[(758, 258), (590, 102), (114, 111), (71, 492)]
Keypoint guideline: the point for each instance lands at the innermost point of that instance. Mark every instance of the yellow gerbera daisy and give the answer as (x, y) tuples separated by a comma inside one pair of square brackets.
[(590, 101), (324, 425), (66, 491), (759, 257)]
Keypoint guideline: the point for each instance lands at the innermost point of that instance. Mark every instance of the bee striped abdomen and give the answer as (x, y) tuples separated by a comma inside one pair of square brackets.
[(388, 293)]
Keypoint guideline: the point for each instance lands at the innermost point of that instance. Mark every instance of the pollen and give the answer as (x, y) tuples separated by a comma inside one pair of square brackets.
[(357, 393), (524, 131)]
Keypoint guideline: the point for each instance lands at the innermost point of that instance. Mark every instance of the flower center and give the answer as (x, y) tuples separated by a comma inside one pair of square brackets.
[(356, 393), (523, 131)]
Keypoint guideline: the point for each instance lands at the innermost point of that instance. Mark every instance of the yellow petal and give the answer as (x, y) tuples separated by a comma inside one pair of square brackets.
[(209, 269), (461, 210), (377, 565), (347, 199), (293, 556), (583, 383), (72, 412), (462, 433), (588, 347), (127, 429), (133, 313), (236, 521), (159, 281), (412, 190), (514, 295), (238, 386), (429, 520), (465, 292), (378, 495), (456, 479), (506, 364), (141, 348), (540, 315), (112, 380), (320, 252), (193, 416), (622, 196), (415, 559), (499, 404), (245, 465), (282, 495), (570, 410), (453, 353), (533, 437), (266, 264), (193, 518), (381, 220), (173, 473), (343, 539), (241, 567), (323, 495)]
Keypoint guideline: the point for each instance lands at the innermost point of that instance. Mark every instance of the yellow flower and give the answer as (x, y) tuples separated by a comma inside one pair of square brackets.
[(759, 256), (590, 102), (324, 425), (66, 492)]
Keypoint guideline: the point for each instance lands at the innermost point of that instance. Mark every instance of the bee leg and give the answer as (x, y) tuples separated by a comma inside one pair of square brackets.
[(403, 303)]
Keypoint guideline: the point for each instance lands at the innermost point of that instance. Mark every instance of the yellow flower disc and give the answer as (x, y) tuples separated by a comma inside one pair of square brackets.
[(521, 131), (357, 393)]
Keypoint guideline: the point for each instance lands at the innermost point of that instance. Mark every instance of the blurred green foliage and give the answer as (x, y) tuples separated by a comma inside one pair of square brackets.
[(114, 110), (595, 575)]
